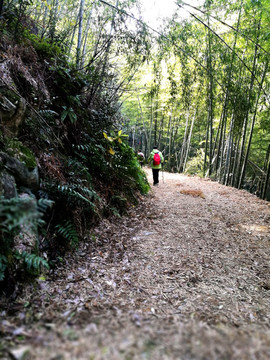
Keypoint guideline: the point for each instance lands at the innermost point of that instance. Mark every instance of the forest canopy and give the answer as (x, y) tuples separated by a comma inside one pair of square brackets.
[(203, 94)]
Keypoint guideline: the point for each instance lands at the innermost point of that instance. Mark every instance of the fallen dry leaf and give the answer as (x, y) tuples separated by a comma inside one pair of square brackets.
[(178, 278)]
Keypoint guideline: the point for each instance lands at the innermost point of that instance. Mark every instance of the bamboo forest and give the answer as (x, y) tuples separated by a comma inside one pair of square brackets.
[(203, 95), (134, 179)]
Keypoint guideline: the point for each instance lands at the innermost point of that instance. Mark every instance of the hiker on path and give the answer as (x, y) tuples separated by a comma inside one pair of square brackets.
[(156, 159), (140, 157)]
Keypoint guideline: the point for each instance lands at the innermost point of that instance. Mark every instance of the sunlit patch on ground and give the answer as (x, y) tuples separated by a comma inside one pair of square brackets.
[(256, 228), (196, 193)]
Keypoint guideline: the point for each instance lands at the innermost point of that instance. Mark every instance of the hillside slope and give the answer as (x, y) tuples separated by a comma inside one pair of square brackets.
[(64, 160)]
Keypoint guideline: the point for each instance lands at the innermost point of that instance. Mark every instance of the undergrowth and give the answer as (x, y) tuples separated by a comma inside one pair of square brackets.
[(18, 216), (87, 170)]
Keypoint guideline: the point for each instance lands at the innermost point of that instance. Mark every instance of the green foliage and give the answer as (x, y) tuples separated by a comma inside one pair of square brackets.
[(16, 213), (33, 262), (70, 199), (76, 168), (84, 148), (128, 169), (64, 124), (118, 205), (17, 149), (43, 205), (69, 82), (69, 113), (92, 156), (43, 46), (3, 265), (68, 231), (195, 165), (73, 194), (49, 115), (13, 12), (113, 162)]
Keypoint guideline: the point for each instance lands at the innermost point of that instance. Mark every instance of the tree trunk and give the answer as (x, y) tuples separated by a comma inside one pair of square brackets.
[(242, 176), (264, 182), (183, 147), (161, 129), (236, 155), (223, 118), (265, 188), (244, 131), (170, 140), (150, 144), (53, 18), (156, 125), (147, 145), (79, 42), (189, 139), (263, 178), (72, 37), (229, 153), (86, 34), (210, 100)]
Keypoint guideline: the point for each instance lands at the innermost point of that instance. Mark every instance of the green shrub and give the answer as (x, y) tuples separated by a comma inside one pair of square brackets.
[(68, 231), (195, 165), (43, 46), (32, 262), (3, 265), (71, 194), (15, 213), (125, 166)]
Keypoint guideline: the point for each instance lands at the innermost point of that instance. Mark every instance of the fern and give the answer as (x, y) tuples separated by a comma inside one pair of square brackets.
[(48, 117), (77, 167), (15, 212), (3, 265), (114, 211), (90, 148), (72, 191), (33, 262), (68, 112), (86, 148), (44, 204), (47, 113), (68, 231)]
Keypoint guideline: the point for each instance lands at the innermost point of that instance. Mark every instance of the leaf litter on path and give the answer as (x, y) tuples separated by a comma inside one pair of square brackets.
[(180, 277)]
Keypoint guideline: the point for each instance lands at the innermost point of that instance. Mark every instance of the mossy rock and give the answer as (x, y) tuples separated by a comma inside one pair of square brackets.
[(16, 149)]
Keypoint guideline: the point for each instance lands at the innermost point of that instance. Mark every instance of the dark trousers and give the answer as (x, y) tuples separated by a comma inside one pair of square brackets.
[(155, 176)]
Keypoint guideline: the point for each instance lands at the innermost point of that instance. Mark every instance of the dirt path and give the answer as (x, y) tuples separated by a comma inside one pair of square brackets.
[(185, 276)]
